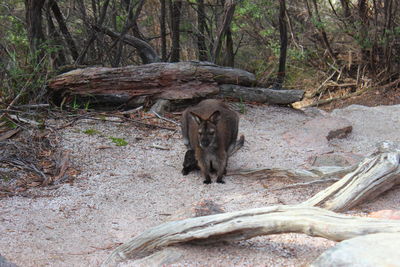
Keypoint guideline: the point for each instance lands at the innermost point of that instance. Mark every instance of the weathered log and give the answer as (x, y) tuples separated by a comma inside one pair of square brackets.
[(246, 224), (261, 95), (374, 175), (173, 81)]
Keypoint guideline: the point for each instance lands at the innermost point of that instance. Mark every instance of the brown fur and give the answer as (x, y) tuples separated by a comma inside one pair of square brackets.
[(210, 129)]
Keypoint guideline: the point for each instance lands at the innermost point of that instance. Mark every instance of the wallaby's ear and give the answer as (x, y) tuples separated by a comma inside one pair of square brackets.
[(196, 118), (214, 118)]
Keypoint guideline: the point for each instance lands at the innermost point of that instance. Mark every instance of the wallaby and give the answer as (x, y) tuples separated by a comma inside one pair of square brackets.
[(210, 130)]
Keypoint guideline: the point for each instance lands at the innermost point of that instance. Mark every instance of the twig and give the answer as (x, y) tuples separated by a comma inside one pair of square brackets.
[(327, 101), (319, 88), (159, 147), (165, 119), (24, 120)]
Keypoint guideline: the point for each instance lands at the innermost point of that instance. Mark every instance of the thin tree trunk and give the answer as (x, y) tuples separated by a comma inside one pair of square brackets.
[(229, 10), (201, 25), (283, 46), (63, 28), (33, 17), (322, 31), (163, 30), (57, 57), (83, 53), (175, 13), (229, 55)]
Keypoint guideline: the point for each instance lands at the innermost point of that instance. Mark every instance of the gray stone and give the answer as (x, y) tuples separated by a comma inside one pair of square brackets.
[(161, 106), (363, 251)]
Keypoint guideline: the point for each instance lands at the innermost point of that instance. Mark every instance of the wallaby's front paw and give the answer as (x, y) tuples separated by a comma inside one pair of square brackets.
[(207, 181), (185, 171), (220, 181)]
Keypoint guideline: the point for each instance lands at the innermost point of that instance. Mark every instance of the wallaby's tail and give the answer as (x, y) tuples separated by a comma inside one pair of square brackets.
[(238, 145)]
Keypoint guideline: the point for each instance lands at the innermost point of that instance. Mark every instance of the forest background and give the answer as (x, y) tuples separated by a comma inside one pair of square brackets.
[(327, 47)]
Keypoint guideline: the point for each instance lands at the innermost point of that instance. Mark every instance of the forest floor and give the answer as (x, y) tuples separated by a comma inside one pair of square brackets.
[(120, 191)]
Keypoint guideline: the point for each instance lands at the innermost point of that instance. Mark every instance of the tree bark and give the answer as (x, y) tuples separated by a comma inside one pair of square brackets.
[(175, 13), (201, 26), (33, 17), (146, 52), (229, 10), (283, 44), (64, 30), (173, 81), (163, 31)]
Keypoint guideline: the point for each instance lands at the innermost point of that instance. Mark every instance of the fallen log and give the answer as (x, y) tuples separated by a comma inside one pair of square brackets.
[(134, 85), (261, 95), (246, 224)]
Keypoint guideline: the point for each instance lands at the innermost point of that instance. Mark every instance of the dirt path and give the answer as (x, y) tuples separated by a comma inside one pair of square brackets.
[(121, 191)]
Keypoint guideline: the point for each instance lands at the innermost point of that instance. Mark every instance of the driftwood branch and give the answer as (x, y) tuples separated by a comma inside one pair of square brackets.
[(373, 176), (246, 224)]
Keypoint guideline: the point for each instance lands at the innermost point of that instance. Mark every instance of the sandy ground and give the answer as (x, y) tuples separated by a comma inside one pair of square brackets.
[(122, 191)]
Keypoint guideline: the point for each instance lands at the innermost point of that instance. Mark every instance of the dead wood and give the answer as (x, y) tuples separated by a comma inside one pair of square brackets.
[(246, 224), (376, 174), (261, 95), (182, 81), (373, 176)]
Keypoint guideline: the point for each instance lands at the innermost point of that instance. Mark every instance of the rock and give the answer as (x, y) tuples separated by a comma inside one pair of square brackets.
[(363, 251), (386, 214), (316, 132), (202, 208), (207, 207), (161, 106)]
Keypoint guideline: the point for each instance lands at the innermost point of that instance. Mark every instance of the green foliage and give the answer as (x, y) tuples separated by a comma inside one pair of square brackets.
[(118, 141), (91, 132)]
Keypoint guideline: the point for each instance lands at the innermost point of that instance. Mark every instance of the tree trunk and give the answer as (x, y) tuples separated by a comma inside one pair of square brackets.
[(175, 13), (163, 31), (57, 57), (283, 44), (229, 10), (92, 38), (33, 17), (201, 26), (146, 52), (229, 54), (64, 30)]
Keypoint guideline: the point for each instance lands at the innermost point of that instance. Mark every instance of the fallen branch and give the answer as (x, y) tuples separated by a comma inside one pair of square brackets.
[(374, 175), (325, 172), (306, 184), (246, 224)]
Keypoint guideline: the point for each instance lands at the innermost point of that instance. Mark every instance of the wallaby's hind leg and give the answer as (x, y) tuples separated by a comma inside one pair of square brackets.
[(222, 162)]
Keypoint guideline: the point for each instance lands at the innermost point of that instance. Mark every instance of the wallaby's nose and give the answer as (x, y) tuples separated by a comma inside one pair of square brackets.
[(204, 142)]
